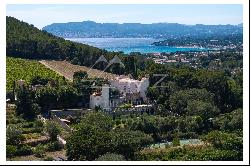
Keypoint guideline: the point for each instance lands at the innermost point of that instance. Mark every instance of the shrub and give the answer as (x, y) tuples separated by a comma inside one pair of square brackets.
[(52, 129), (117, 122), (176, 141), (211, 154), (11, 151), (28, 130), (39, 150), (53, 146), (223, 140), (14, 135), (24, 150), (27, 125), (198, 153), (38, 124), (32, 136)]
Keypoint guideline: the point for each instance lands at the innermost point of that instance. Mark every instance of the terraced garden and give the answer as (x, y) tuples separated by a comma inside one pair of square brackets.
[(34, 143)]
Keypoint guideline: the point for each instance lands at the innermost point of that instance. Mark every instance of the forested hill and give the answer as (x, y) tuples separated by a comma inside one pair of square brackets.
[(155, 30), (26, 41)]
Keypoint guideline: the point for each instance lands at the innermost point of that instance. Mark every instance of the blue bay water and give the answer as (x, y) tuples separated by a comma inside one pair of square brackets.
[(127, 45)]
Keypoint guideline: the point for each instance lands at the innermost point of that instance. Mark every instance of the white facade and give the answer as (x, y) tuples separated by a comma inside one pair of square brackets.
[(100, 99), (127, 85)]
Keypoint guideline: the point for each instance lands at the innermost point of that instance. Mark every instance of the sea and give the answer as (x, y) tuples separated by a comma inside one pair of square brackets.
[(128, 45)]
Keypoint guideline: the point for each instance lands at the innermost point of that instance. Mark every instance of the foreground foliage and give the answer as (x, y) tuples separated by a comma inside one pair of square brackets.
[(95, 137)]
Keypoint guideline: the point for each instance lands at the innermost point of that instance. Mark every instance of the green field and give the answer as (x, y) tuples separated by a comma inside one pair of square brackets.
[(17, 68)]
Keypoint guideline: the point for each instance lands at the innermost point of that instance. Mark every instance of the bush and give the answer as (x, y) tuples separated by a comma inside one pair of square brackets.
[(25, 104), (27, 125), (53, 146), (127, 142), (117, 122), (38, 124), (32, 136), (11, 151), (211, 155), (52, 129), (24, 150), (39, 80), (13, 135), (189, 153), (225, 141), (28, 130), (176, 140), (39, 150)]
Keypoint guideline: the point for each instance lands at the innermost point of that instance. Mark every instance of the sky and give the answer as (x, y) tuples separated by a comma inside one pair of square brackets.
[(41, 15)]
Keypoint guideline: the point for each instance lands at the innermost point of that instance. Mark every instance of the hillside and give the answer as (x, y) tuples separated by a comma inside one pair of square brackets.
[(26, 41), (24, 69), (90, 29)]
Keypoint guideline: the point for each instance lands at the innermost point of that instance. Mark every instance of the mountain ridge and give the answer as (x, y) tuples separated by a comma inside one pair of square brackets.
[(156, 30)]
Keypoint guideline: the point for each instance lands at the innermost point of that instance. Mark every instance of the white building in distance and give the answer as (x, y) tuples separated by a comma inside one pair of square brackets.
[(100, 98), (127, 87), (130, 86)]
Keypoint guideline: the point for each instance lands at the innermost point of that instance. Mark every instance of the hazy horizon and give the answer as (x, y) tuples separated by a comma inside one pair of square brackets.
[(139, 23), (125, 23), (42, 15)]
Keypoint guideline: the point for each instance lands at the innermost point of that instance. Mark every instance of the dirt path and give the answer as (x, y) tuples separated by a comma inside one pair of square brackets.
[(67, 69)]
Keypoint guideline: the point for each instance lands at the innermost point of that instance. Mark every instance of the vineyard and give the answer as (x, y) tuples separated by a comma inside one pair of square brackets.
[(67, 69), (24, 69)]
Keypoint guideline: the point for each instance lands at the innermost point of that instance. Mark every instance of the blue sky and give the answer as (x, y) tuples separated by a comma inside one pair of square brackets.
[(42, 15)]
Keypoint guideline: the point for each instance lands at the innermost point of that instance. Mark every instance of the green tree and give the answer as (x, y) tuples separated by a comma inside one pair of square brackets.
[(84, 89), (130, 65), (178, 101), (39, 150), (39, 80), (13, 135), (229, 122), (11, 151), (98, 119), (225, 141), (52, 129), (25, 104), (67, 97), (79, 75), (234, 94), (127, 142), (176, 140), (87, 143), (47, 98), (200, 108), (91, 138)]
